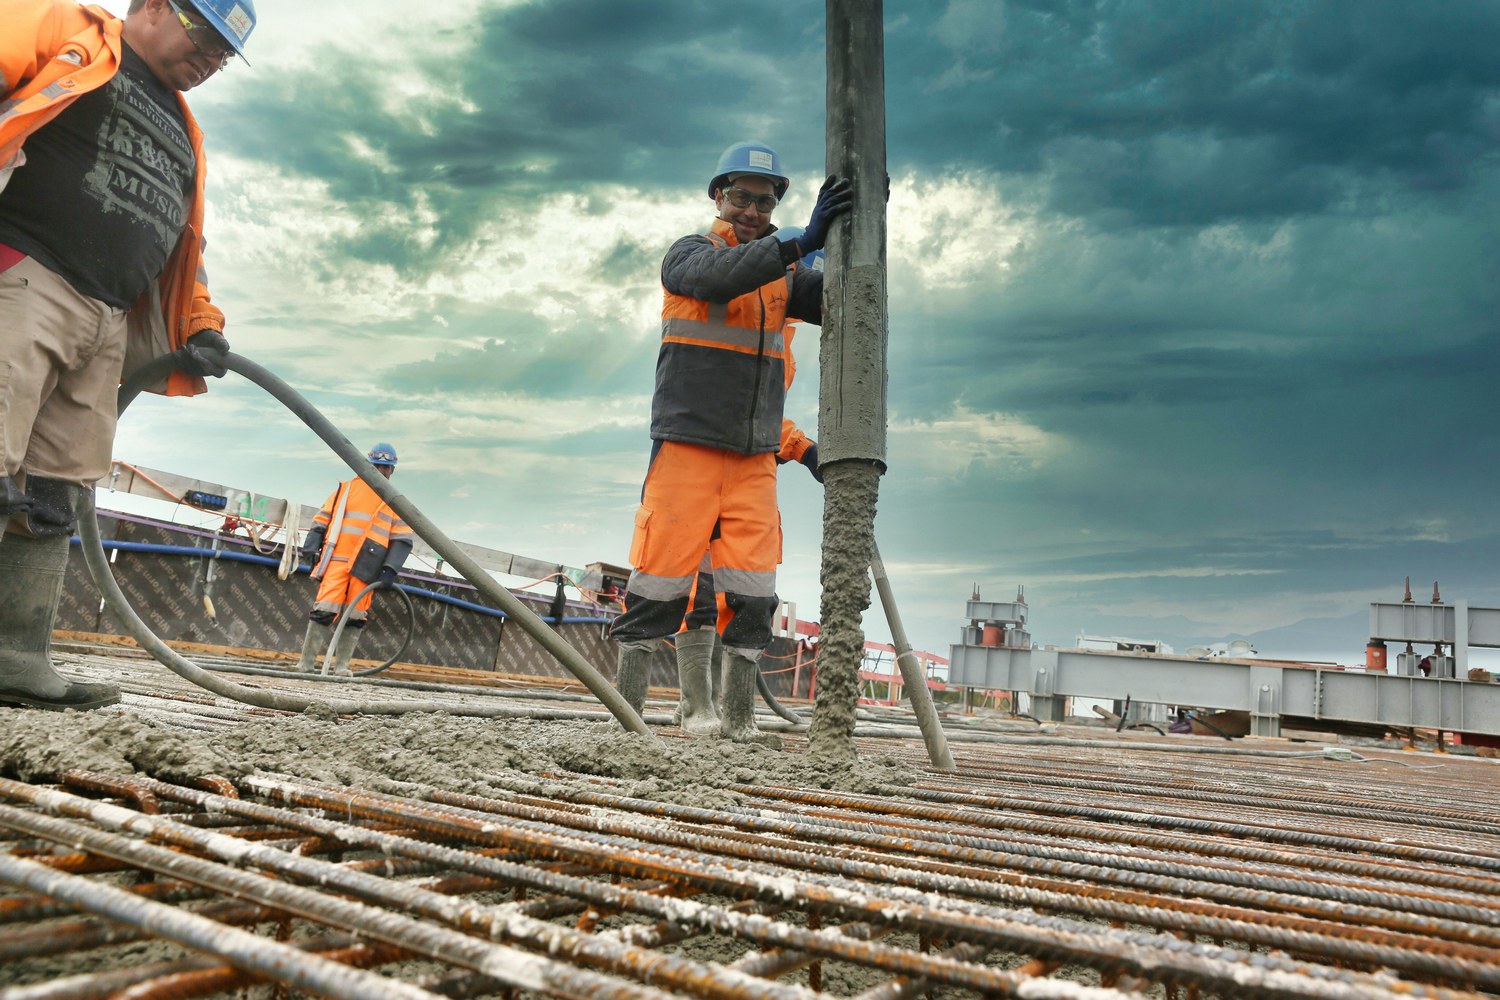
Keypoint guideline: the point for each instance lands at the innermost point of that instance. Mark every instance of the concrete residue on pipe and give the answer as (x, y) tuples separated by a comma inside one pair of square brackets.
[(849, 493)]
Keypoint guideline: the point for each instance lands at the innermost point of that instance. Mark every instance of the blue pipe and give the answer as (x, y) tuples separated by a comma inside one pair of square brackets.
[(156, 548)]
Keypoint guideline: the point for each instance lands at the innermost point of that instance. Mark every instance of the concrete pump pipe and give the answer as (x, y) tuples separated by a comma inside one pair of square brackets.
[(98, 564)]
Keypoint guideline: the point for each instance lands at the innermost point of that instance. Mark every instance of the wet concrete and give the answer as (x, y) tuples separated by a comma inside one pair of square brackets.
[(850, 490), (468, 755)]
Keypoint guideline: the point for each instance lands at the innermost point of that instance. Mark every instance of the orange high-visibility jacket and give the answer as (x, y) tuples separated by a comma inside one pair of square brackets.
[(352, 515), (51, 53), (721, 371)]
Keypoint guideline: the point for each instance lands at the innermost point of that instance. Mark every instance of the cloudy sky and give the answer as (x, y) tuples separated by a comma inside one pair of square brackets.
[(1193, 305)]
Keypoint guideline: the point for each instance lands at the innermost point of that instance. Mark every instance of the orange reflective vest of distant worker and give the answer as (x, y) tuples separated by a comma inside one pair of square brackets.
[(363, 534)]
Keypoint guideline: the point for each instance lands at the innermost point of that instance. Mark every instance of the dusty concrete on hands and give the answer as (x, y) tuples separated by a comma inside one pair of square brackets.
[(483, 757)]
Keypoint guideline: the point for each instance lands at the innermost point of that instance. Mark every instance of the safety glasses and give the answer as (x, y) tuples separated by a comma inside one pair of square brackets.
[(740, 198), (209, 43)]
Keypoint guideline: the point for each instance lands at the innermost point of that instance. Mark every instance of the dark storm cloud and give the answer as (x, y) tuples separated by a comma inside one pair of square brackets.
[(537, 98), (1170, 113), (1189, 113)]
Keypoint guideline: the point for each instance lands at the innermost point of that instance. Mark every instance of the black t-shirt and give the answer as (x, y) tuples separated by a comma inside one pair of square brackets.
[(102, 198)]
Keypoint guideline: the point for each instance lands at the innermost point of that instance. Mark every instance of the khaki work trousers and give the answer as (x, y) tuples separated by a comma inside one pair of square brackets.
[(61, 354)]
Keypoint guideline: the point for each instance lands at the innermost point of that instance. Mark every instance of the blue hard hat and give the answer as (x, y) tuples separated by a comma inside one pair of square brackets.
[(814, 260), (234, 19), (383, 454), (749, 158)]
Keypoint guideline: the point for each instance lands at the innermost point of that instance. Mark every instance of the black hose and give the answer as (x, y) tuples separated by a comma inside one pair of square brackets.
[(1148, 725), (770, 699), (156, 371), (1210, 725), (339, 622)]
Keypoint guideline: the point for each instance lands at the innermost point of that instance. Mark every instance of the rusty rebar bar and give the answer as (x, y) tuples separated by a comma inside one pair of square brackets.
[(241, 948), (507, 964), (1049, 937)]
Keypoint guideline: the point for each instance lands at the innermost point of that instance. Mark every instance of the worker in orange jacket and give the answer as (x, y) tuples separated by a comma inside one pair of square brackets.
[(101, 270), (697, 645), (355, 540), (716, 422)]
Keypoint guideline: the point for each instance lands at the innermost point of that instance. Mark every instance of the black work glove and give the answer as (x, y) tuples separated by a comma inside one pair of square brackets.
[(835, 197), (312, 545), (387, 576), (810, 459), (195, 359)]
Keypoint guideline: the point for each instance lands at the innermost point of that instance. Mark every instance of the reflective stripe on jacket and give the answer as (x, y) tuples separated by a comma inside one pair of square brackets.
[(353, 514), (721, 371), (51, 53)]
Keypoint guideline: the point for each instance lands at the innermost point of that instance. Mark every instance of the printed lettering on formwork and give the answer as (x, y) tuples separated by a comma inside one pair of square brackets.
[(145, 161)]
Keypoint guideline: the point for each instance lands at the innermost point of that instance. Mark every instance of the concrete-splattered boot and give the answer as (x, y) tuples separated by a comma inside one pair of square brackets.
[(344, 652), (312, 644), (31, 582), (633, 672), (716, 673), (695, 650), (741, 667)]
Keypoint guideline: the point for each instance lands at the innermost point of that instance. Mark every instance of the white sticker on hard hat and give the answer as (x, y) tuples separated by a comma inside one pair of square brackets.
[(761, 158), (240, 22)]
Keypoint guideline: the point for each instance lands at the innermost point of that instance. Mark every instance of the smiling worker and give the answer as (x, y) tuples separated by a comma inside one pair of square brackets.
[(101, 270), (716, 427)]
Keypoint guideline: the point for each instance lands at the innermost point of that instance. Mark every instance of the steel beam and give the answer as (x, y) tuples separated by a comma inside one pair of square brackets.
[(1267, 691), (1401, 622)]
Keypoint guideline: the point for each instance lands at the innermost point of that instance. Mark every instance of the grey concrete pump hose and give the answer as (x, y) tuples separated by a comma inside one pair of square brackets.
[(453, 555)]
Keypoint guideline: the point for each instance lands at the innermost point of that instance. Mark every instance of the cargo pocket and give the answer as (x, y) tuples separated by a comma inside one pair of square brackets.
[(780, 552), (367, 562), (638, 540)]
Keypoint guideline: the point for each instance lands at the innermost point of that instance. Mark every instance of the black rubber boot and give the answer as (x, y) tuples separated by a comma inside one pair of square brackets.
[(31, 582), (312, 644), (695, 650), (344, 652), (737, 723), (633, 673)]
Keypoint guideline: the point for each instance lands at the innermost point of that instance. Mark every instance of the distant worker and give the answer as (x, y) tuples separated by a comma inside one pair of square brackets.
[(716, 426), (355, 540), (101, 270)]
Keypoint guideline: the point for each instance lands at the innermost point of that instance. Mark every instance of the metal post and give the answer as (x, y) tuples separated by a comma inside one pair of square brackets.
[(851, 412), (1461, 640), (912, 671)]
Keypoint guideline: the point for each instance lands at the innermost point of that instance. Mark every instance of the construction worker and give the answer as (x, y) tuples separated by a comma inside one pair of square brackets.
[(698, 647), (101, 270), (716, 423), (355, 540)]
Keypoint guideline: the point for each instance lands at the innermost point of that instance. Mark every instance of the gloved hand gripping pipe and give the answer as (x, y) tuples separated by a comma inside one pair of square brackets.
[(98, 563)]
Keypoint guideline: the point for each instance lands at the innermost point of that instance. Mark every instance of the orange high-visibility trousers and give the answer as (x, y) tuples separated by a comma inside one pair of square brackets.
[(689, 489)]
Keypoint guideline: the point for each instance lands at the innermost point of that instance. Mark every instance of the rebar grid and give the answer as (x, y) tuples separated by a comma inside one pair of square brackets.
[(962, 882)]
